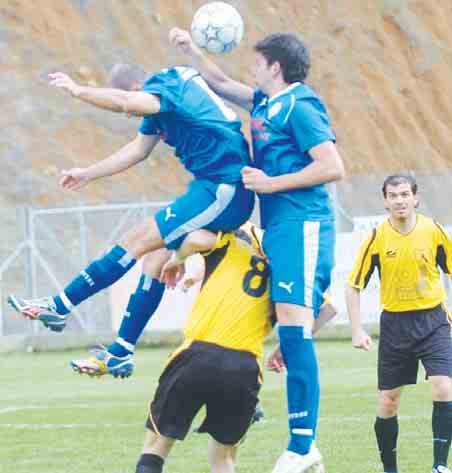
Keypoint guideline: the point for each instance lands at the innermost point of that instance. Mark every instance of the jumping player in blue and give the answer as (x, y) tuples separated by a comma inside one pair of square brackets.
[(294, 156), (179, 108)]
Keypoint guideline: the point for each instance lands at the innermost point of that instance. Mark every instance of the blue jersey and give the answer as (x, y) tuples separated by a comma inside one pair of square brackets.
[(284, 128), (197, 123)]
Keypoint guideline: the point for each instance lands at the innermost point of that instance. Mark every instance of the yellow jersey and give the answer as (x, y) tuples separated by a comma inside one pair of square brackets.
[(407, 265), (233, 308)]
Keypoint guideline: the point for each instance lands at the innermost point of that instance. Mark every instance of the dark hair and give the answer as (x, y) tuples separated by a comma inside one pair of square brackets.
[(126, 76), (291, 53), (396, 179)]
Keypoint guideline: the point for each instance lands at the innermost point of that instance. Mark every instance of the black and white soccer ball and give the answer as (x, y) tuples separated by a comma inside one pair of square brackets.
[(217, 27)]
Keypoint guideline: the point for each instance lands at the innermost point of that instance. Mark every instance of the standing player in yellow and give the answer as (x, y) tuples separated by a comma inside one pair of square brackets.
[(407, 249)]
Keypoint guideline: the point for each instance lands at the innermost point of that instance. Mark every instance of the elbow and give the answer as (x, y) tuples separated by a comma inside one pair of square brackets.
[(338, 171)]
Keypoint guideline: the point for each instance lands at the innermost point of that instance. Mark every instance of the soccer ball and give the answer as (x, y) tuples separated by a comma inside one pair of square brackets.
[(217, 27)]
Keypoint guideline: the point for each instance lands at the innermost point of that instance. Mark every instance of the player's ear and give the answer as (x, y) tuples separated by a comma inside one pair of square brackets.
[(275, 68)]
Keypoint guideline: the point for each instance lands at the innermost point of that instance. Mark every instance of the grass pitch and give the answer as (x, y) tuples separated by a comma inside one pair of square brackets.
[(55, 421)]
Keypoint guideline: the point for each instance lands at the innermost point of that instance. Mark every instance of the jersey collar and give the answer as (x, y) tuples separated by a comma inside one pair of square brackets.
[(284, 91)]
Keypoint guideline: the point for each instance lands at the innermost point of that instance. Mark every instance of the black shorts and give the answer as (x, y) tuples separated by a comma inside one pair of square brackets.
[(225, 381), (406, 338)]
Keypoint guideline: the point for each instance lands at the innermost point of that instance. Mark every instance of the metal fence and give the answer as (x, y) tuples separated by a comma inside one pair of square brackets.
[(43, 249), (51, 246)]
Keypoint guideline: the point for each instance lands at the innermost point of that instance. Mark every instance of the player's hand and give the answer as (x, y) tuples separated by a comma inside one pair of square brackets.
[(189, 282), (75, 178), (256, 180), (182, 40), (63, 81), (362, 340), (275, 361), (172, 273)]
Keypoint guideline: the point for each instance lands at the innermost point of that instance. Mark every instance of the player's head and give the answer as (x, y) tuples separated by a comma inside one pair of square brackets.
[(400, 194), (253, 234), (282, 55), (127, 77)]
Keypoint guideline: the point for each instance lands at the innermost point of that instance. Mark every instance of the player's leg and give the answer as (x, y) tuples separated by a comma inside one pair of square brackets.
[(397, 367), (156, 449), (435, 351), (441, 421), (231, 398), (300, 272), (205, 205), (387, 428), (221, 457), (99, 274), (117, 358)]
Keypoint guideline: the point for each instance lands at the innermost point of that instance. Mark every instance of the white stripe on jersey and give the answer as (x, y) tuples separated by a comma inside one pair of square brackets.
[(311, 231), (228, 113)]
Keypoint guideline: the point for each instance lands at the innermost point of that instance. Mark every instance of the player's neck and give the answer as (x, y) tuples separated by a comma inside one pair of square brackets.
[(404, 225), (275, 88)]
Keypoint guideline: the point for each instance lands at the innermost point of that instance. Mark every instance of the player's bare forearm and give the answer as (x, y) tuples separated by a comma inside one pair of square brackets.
[(197, 241), (120, 101), (114, 100), (360, 338), (352, 299), (215, 77), (126, 157), (326, 167)]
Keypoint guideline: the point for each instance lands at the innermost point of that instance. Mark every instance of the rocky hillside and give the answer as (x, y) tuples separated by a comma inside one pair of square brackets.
[(383, 66)]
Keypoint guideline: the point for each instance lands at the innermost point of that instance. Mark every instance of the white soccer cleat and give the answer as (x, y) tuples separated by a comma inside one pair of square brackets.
[(441, 469), (291, 462)]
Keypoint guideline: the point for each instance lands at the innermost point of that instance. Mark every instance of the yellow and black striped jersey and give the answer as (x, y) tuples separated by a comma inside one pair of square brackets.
[(233, 308), (407, 265)]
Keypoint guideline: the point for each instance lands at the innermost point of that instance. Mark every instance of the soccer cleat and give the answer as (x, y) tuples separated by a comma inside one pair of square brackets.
[(441, 469), (291, 462), (42, 309), (104, 362)]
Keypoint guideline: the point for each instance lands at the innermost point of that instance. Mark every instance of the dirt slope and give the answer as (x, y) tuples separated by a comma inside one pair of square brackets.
[(383, 66)]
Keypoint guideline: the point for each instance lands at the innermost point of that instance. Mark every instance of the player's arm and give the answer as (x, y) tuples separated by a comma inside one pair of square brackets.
[(223, 85), (444, 249), (360, 338), (326, 166), (199, 241), (116, 100), (357, 280), (126, 157)]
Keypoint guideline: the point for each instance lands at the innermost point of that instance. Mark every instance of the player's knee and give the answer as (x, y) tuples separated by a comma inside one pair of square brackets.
[(142, 239), (223, 463), (388, 403), (153, 262), (441, 388)]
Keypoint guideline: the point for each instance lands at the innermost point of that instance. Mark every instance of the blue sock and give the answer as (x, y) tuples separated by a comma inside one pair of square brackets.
[(98, 275), (303, 391), (142, 305)]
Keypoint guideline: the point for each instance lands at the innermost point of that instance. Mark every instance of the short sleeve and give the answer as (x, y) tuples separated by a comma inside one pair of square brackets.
[(309, 124), (166, 85), (444, 249), (365, 263), (148, 126)]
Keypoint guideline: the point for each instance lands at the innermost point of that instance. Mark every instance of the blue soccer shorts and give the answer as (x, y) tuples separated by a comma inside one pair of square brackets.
[(301, 259), (216, 207)]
